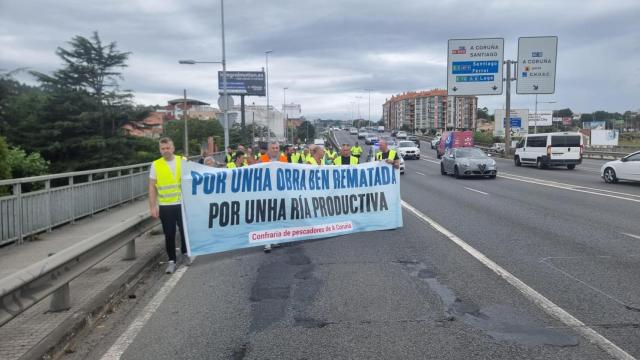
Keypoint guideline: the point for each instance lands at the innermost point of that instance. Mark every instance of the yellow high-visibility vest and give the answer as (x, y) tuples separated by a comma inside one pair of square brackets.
[(356, 150), (168, 184), (295, 158), (392, 155), (352, 160), (312, 161)]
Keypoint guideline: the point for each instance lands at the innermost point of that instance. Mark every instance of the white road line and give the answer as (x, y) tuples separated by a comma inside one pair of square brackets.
[(120, 346), (631, 235), (571, 187), (433, 161), (538, 299), (478, 191), (420, 173)]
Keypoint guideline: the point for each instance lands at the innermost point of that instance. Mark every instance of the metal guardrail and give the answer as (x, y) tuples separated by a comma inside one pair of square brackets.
[(63, 198), (82, 193), (52, 275)]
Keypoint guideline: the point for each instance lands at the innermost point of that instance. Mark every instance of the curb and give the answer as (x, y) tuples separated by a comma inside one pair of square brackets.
[(54, 344)]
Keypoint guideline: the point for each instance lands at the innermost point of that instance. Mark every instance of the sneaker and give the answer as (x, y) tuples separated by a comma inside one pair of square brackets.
[(171, 268), (187, 260), (267, 249)]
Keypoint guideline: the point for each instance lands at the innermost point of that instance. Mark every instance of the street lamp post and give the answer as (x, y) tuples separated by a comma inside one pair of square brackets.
[(224, 76), (284, 110), (266, 56), (369, 90)]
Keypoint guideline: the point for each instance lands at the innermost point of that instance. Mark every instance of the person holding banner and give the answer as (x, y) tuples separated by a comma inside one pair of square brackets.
[(330, 155), (165, 198), (273, 153), (229, 155), (293, 157), (345, 157), (238, 161), (317, 155), (388, 155)]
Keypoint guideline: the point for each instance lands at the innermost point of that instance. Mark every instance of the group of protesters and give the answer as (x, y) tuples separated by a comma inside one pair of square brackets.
[(165, 176), (307, 154)]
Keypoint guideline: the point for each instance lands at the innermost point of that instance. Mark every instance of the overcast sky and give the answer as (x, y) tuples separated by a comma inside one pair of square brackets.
[(328, 51)]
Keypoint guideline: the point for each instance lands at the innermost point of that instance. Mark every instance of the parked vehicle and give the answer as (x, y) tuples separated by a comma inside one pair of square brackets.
[(454, 140), (415, 140), (550, 149), (362, 134), (353, 131), (401, 135), (627, 168), (468, 161), (380, 129), (408, 150), (318, 142)]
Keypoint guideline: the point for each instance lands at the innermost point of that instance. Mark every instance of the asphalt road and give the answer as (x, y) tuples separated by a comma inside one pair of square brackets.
[(412, 293)]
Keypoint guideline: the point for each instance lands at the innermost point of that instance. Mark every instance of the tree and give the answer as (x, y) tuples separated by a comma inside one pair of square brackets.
[(199, 131), (23, 165), (5, 168), (482, 113), (563, 113), (91, 68), (306, 131)]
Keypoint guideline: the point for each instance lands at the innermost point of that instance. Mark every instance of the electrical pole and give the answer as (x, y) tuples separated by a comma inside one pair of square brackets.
[(369, 90), (507, 120), (266, 56), (224, 82)]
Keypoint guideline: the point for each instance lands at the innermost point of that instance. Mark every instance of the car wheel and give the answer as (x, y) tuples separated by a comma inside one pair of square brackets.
[(610, 175), (418, 157), (493, 176), (539, 163), (438, 156), (571, 166), (516, 161), (456, 173), (442, 172)]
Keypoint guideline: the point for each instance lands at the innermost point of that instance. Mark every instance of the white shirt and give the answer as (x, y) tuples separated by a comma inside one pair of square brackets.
[(154, 176)]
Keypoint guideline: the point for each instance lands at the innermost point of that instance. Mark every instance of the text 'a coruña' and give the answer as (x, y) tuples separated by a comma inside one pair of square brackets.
[(279, 209)]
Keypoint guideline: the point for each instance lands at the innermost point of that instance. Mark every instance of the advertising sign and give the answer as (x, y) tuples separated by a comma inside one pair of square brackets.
[(474, 66), (536, 72), (542, 118), (271, 203), (249, 83), (519, 121), (605, 137), (595, 125)]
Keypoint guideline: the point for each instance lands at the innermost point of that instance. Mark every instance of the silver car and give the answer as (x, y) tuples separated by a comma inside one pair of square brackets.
[(468, 162)]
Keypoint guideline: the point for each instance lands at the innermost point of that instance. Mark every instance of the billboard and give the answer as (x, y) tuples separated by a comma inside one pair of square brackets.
[(250, 83), (542, 118), (474, 66), (605, 137), (519, 121), (595, 125), (536, 72)]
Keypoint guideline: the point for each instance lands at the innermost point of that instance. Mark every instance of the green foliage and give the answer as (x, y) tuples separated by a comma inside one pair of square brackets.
[(5, 167), (306, 132), (483, 113), (484, 138), (199, 131), (26, 165)]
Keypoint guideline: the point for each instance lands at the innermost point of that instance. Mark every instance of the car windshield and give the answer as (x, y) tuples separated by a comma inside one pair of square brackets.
[(406, 144), (470, 153)]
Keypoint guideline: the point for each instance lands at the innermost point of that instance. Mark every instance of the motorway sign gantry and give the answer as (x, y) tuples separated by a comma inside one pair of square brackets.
[(536, 71), (474, 66)]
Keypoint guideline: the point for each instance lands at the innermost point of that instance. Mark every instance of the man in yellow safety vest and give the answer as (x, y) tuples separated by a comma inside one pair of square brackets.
[(345, 157), (238, 161), (388, 155), (356, 151), (165, 198)]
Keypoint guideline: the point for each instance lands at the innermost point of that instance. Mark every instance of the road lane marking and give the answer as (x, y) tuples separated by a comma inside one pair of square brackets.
[(632, 235), (532, 295), (120, 346), (577, 188), (420, 173), (478, 191)]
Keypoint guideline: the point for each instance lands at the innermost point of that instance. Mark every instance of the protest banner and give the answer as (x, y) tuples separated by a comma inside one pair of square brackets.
[(271, 203)]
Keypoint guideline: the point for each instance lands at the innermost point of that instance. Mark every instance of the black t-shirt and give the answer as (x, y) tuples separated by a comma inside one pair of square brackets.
[(346, 160), (385, 155)]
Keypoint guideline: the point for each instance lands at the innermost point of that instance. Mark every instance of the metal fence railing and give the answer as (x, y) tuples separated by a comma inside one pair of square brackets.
[(36, 204)]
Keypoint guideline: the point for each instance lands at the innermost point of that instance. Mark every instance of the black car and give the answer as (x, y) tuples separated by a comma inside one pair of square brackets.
[(415, 140)]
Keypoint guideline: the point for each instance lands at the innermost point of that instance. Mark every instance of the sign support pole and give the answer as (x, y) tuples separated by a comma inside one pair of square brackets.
[(243, 138), (507, 120)]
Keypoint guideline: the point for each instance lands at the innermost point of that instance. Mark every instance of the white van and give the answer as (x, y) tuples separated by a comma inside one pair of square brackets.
[(550, 149)]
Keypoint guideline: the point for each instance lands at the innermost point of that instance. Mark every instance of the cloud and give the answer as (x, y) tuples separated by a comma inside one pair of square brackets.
[(328, 52)]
